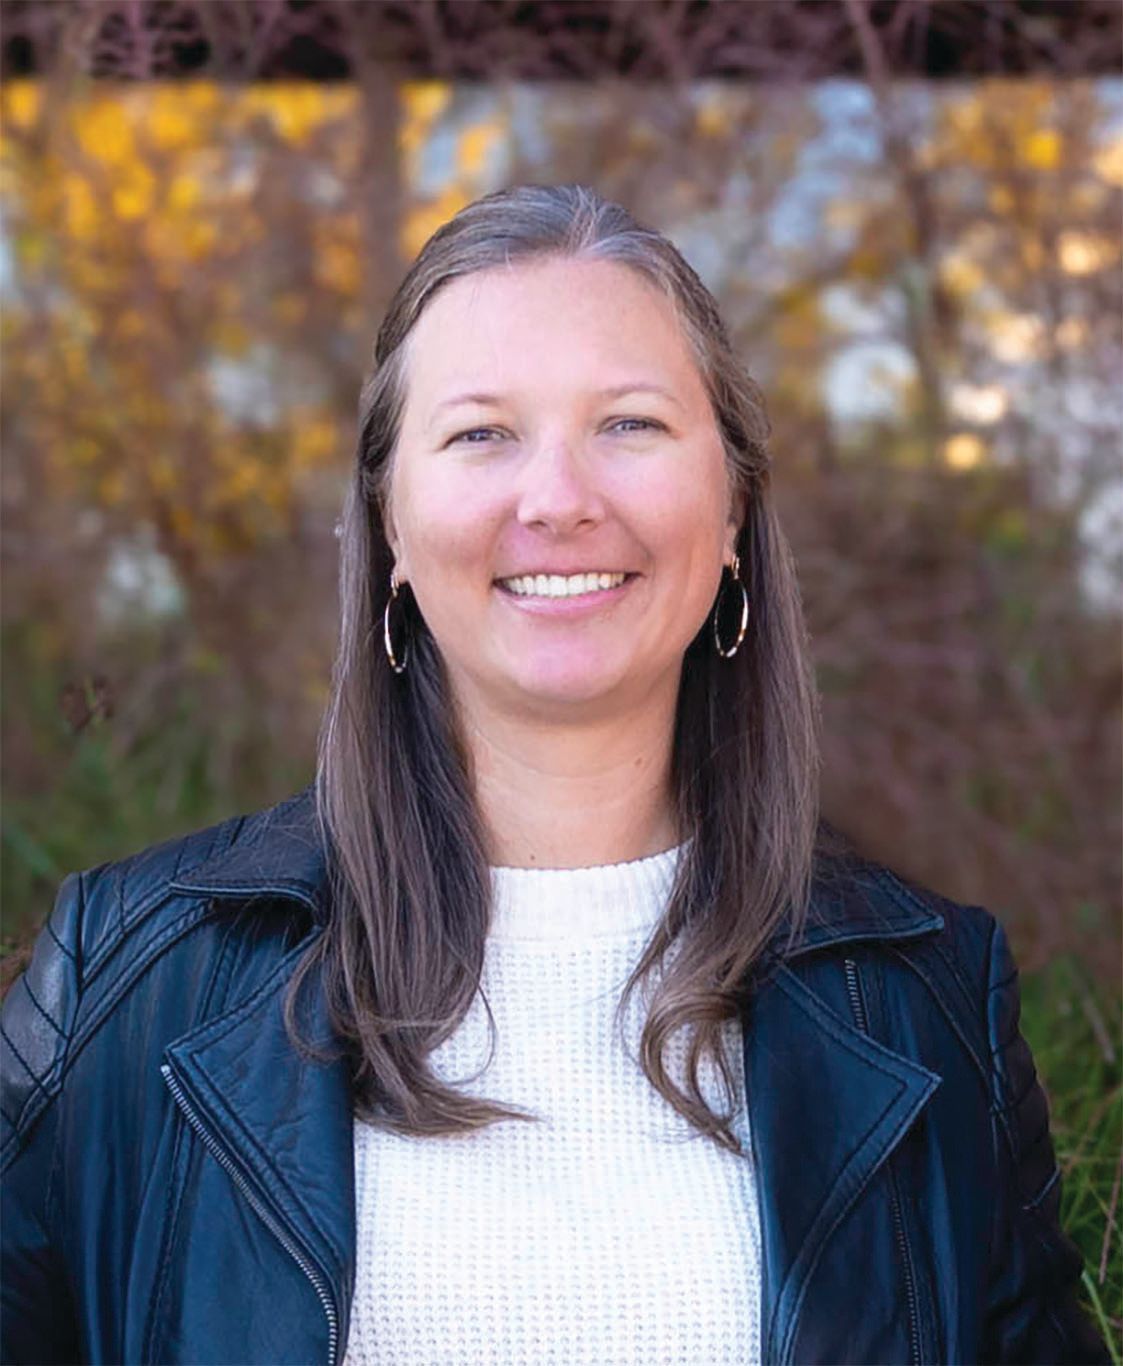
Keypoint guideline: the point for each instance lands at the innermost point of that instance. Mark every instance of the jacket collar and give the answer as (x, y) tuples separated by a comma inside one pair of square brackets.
[(279, 852)]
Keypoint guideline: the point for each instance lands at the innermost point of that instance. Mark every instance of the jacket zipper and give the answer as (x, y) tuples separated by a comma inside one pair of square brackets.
[(858, 1006), (225, 1162)]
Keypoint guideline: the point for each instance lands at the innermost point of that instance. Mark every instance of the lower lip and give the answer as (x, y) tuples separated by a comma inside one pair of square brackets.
[(577, 605)]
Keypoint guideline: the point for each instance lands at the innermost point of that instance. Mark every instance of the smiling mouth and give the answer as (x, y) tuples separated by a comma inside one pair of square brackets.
[(562, 585)]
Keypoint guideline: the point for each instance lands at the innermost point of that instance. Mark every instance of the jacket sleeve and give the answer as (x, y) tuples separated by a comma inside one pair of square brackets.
[(1033, 1314), (38, 1323)]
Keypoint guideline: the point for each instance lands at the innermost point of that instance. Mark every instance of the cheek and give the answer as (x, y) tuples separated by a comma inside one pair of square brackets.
[(683, 520), (448, 527)]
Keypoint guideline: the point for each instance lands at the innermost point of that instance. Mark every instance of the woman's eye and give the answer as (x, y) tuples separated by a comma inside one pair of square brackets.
[(476, 436), (475, 431), (641, 423)]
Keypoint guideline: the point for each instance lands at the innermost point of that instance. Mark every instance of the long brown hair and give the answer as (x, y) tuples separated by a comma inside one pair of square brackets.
[(402, 953)]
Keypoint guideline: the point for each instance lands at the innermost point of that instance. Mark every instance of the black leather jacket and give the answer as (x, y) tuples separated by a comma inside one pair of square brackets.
[(178, 1184)]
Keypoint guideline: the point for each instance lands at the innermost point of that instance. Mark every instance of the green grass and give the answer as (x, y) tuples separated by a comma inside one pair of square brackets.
[(107, 803), (1073, 1027)]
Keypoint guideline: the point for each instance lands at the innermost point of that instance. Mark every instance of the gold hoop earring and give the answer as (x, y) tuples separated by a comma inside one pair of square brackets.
[(724, 653), (398, 667)]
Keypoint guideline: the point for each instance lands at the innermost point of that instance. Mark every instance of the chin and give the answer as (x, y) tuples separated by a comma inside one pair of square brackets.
[(561, 687)]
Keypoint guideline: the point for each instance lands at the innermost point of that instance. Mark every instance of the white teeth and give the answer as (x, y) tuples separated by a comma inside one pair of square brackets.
[(560, 586)]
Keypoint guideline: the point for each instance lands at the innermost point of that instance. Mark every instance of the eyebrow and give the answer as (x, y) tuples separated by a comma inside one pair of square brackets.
[(616, 391)]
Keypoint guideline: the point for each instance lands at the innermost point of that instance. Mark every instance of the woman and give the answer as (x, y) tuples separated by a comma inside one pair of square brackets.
[(370, 1076)]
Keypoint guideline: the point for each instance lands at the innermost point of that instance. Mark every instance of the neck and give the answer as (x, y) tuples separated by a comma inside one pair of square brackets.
[(577, 794)]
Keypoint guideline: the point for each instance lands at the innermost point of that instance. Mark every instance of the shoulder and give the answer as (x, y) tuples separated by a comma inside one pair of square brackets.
[(855, 897), (109, 922), (968, 933), (933, 954), (971, 949), (971, 969), (97, 909)]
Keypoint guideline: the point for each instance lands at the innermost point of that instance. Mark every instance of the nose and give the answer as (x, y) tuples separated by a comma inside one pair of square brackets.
[(558, 491)]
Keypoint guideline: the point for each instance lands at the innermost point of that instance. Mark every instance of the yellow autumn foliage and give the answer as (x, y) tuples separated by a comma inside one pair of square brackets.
[(423, 219), (1041, 149), (183, 523), (200, 98), (1084, 253), (421, 104), (103, 130), (290, 308), (298, 109), (315, 438), (711, 118), (84, 450), (1032, 253), (964, 451), (184, 193), (993, 117), (170, 123), (474, 147), (111, 487), (1072, 333), (338, 265), (134, 193), (231, 336), (199, 238), (1108, 162), (276, 496), (148, 229), (1001, 199), (1014, 337), (242, 478), (424, 101), (337, 268), (20, 103), (81, 215), (163, 477), (73, 360), (960, 274)]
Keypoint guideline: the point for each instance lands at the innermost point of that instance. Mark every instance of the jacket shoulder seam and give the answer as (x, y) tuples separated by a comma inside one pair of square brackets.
[(132, 913), (131, 969), (122, 931)]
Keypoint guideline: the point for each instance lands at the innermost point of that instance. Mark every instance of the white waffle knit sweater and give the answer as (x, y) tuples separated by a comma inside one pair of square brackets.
[(609, 1232)]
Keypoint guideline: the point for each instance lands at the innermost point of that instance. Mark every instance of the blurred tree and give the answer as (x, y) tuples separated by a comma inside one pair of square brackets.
[(924, 278)]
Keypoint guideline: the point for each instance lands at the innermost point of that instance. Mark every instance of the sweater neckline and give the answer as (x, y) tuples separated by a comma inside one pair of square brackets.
[(574, 905)]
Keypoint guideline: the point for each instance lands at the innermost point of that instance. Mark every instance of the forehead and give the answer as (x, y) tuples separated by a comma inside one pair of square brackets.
[(556, 319)]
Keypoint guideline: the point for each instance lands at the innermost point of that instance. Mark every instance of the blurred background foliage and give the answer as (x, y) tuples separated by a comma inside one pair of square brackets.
[(924, 277)]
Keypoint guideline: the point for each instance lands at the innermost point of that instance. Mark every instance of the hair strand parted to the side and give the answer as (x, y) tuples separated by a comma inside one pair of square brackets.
[(401, 956)]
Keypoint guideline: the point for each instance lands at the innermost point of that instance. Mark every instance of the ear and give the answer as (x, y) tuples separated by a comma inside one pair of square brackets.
[(738, 507), (393, 540)]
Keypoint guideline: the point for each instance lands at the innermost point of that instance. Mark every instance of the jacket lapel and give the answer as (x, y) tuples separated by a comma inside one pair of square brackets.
[(827, 1105), (289, 1144)]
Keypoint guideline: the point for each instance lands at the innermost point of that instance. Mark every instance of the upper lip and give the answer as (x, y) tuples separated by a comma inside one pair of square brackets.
[(561, 573)]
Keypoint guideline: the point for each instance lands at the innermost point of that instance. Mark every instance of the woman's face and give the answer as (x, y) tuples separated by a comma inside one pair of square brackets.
[(555, 425)]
